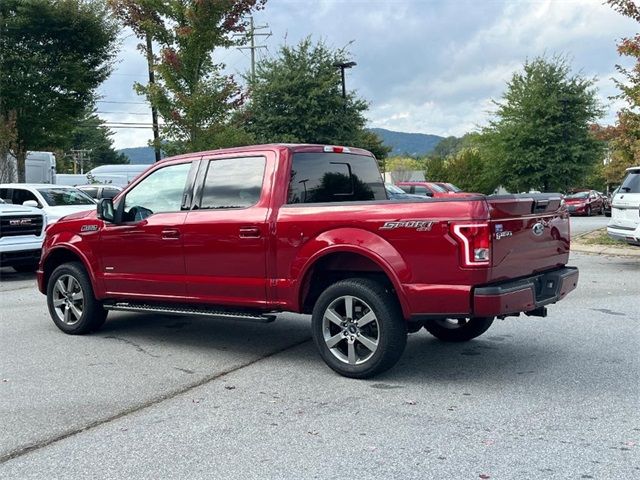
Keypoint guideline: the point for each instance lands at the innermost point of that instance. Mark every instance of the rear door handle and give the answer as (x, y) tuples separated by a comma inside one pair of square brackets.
[(249, 232), (170, 234)]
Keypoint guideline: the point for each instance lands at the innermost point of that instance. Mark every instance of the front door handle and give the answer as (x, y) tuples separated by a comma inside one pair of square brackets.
[(249, 232), (170, 234)]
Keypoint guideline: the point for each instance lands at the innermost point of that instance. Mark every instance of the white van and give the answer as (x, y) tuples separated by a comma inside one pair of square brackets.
[(119, 175), (625, 209)]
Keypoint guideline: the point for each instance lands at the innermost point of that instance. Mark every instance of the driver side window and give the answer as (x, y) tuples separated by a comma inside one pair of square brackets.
[(162, 191)]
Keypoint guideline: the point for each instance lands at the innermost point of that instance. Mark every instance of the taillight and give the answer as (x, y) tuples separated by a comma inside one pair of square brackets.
[(475, 243)]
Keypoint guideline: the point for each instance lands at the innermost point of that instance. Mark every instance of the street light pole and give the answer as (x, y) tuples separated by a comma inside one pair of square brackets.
[(342, 66)]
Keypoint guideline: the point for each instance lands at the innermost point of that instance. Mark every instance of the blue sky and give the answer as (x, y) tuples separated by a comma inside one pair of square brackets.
[(423, 65)]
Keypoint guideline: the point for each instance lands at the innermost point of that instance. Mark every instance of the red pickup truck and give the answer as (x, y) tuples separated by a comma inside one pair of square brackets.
[(248, 232)]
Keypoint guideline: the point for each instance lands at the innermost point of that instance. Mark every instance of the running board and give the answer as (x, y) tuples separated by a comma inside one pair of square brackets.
[(189, 310)]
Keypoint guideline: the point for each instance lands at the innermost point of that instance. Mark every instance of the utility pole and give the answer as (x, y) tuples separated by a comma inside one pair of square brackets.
[(79, 156), (154, 110), (342, 66), (252, 43)]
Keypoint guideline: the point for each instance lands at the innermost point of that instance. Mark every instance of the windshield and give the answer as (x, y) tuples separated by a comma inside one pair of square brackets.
[(631, 183), (437, 188), (56, 197), (393, 188), (578, 195), (453, 187)]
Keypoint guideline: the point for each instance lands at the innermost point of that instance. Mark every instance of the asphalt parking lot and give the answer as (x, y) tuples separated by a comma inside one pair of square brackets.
[(185, 397)]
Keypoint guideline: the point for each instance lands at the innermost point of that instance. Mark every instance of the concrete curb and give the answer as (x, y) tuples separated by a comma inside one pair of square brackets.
[(604, 250), (577, 246)]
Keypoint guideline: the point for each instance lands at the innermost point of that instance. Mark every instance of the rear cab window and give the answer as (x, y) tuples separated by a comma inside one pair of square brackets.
[(321, 177)]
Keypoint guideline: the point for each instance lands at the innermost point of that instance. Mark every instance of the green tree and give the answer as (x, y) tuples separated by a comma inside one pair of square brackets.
[(53, 56), (297, 97), (192, 95), (540, 137), (624, 137)]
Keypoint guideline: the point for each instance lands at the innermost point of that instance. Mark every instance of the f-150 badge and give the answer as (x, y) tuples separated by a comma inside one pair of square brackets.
[(419, 225), (88, 228)]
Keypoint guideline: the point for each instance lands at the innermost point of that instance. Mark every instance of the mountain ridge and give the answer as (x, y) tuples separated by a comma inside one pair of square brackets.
[(401, 143)]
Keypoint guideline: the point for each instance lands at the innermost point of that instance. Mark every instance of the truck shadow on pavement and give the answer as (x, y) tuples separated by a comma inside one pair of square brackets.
[(9, 275), (491, 358)]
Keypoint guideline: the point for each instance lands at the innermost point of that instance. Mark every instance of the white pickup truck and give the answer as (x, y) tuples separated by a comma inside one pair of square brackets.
[(21, 234)]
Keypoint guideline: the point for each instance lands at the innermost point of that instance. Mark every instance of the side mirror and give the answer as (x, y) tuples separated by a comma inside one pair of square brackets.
[(30, 203), (429, 194), (105, 210)]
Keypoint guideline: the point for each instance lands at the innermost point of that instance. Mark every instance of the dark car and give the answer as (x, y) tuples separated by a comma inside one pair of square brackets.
[(607, 202), (587, 202), (97, 191)]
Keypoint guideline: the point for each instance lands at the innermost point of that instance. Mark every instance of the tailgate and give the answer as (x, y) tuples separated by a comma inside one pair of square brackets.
[(530, 234)]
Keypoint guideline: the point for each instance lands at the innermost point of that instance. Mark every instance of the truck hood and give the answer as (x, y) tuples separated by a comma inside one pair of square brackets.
[(69, 212)]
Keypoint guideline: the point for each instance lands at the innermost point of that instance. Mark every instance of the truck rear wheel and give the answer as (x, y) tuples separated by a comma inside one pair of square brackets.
[(71, 302), (358, 328), (458, 329)]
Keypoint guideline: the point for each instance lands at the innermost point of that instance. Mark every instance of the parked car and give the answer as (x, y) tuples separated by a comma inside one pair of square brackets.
[(56, 201), (21, 234), (586, 202), (99, 191), (425, 189), (607, 204), (247, 232), (625, 206), (449, 187), (396, 193)]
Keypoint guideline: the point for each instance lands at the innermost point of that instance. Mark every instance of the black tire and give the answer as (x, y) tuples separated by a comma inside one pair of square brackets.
[(463, 330), (588, 211), (64, 303), (26, 268), (607, 213), (385, 328)]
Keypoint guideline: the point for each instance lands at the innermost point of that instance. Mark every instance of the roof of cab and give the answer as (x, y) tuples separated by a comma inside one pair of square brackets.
[(295, 147)]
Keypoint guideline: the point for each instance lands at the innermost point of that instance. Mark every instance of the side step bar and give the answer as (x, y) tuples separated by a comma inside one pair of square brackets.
[(190, 310)]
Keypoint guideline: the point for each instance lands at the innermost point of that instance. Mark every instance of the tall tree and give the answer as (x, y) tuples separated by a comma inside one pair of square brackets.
[(624, 137), (540, 136), (53, 56), (297, 97), (192, 95)]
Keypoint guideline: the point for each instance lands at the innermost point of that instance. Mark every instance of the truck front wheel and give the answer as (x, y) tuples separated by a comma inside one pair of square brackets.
[(458, 329), (358, 328), (72, 305)]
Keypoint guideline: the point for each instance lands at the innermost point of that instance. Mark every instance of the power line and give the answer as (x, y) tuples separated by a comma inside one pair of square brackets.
[(124, 103), (124, 113), (253, 47)]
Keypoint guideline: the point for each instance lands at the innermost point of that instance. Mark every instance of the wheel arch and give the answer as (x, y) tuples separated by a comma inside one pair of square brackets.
[(343, 255), (64, 254)]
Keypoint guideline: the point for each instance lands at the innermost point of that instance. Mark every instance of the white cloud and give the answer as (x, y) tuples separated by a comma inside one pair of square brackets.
[(430, 67)]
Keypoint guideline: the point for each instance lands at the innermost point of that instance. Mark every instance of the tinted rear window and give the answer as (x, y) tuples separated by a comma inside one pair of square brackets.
[(334, 177), (631, 183)]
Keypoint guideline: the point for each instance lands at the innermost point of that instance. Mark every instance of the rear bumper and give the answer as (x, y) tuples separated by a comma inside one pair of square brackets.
[(624, 234), (524, 295)]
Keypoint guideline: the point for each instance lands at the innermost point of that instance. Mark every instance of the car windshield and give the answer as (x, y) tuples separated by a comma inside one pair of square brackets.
[(437, 188), (454, 188), (578, 195), (56, 197), (393, 188), (631, 183)]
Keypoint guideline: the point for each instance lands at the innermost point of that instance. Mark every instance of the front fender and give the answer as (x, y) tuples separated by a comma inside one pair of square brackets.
[(73, 242), (353, 240)]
